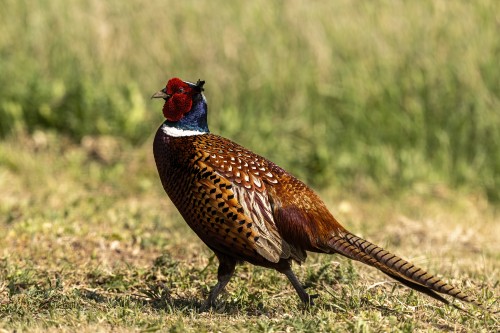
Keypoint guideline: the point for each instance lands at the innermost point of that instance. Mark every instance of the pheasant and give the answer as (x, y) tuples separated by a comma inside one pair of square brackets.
[(245, 208)]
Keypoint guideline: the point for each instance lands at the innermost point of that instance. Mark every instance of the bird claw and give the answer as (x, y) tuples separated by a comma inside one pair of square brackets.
[(310, 299), (207, 305)]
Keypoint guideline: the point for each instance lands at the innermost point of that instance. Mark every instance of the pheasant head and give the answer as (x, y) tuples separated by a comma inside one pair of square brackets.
[(185, 105)]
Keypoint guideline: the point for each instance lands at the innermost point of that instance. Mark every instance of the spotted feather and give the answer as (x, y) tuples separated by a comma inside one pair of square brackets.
[(225, 216)]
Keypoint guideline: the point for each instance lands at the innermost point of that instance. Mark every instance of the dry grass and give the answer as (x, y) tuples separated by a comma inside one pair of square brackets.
[(91, 243)]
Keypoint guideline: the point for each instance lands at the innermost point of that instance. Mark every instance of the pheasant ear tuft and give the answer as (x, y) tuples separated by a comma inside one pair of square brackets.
[(199, 85)]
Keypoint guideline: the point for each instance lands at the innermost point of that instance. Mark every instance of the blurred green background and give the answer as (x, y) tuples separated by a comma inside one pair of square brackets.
[(372, 96)]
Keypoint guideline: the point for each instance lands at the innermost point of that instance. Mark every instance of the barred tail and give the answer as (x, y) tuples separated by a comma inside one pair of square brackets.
[(401, 270)]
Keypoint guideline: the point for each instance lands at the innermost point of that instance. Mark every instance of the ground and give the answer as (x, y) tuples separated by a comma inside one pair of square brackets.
[(89, 241)]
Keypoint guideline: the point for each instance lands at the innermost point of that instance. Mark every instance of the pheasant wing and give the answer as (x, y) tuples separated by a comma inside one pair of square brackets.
[(232, 181)]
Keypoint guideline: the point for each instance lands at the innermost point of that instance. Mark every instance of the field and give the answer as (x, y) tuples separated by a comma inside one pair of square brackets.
[(390, 110)]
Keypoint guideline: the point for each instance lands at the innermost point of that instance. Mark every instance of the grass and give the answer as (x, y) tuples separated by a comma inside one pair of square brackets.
[(84, 250), (362, 92), (389, 109)]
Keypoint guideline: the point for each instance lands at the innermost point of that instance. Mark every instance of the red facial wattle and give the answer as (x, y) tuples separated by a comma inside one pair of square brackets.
[(176, 106), (180, 102)]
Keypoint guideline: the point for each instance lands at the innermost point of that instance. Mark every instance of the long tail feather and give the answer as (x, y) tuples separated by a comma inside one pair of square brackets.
[(401, 270)]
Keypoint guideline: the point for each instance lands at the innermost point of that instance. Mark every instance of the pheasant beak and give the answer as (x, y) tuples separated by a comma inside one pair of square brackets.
[(161, 94)]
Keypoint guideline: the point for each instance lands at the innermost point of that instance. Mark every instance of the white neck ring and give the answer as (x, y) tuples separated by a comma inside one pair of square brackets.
[(178, 132)]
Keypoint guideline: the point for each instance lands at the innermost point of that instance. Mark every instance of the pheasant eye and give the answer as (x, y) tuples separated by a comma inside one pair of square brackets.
[(181, 90)]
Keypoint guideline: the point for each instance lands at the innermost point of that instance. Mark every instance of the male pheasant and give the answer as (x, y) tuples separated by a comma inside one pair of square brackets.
[(246, 208)]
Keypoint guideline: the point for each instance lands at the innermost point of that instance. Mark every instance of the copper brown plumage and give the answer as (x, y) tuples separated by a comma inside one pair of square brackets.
[(247, 209)]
